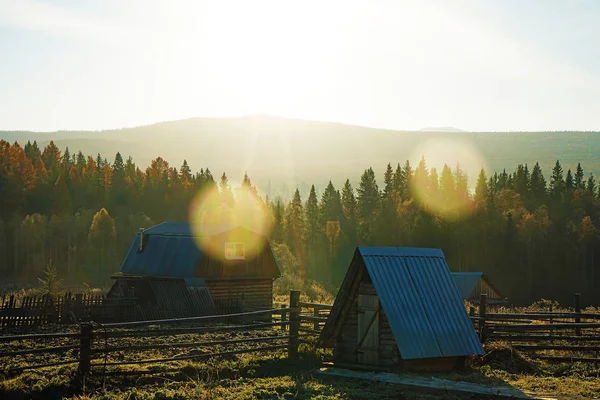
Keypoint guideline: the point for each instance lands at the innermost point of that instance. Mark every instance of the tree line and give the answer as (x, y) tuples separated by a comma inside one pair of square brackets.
[(535, 237)]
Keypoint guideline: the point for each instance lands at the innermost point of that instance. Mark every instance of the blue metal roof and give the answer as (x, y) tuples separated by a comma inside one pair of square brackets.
[(185, 229), (170, 228), (421, 302), (466, 282), (172, 256)]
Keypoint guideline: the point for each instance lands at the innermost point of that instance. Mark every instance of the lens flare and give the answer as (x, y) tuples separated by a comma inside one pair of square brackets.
[(213, 219), (457, 163)]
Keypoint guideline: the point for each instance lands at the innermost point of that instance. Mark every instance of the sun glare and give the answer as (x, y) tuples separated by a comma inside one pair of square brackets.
[(211, 213), (457, 154)]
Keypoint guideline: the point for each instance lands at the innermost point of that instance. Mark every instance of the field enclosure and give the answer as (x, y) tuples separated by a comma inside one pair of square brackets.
[(564, 335), (92, 353), (111, 348)]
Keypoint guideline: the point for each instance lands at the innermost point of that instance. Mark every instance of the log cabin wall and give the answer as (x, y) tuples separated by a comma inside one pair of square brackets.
[(256, 293), (345, 348)]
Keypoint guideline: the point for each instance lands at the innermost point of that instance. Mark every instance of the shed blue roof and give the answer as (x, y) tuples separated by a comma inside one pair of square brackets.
[(466, 282), (162, 255), (419, 298)]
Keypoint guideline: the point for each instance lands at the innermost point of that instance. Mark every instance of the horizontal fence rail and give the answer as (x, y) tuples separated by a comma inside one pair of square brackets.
[(95, 344), (538, 332)]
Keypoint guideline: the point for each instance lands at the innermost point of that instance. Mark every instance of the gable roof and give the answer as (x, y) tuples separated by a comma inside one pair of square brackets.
[(162, 255), (170, 249), (472, 284), (419, 298), (466, 282), (185, 229)]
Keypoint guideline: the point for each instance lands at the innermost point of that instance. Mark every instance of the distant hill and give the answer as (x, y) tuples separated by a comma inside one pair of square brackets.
[(284, 153), (441, 129)]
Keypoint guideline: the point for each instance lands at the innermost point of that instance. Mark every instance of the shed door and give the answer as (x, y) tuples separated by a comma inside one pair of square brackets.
[(368, 329)]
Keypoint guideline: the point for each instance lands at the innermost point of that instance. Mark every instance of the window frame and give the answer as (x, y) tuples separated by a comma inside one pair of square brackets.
[(233, 249)]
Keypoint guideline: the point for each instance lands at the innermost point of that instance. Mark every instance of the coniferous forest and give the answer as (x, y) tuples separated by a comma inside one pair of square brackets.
[(533, 232)]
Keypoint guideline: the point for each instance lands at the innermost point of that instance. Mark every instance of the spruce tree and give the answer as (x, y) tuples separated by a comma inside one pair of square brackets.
[(579, 178), (277, 232), (591, 185), (226, 192), (368, 204), (569, 183), (521, 181), (313, 232), (399, 181), (407, 176), (388, 180), (80, 161), (557, 182), (538, 186), (481, 189), (331, 206), (295, 228)]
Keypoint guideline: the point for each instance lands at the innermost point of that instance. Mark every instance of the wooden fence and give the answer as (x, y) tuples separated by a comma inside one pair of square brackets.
[(66, 308), (556, 336), (91, 347), (99, 347)]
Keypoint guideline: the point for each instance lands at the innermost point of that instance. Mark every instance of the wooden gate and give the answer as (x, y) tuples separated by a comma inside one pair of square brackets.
[(368, 329)]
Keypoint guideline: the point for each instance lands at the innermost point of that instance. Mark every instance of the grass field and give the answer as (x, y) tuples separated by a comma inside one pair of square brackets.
[(265, 376)]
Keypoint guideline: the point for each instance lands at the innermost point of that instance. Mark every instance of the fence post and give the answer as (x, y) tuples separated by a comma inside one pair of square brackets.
[(551, 319), (294, 324), (283, 318), (85, 349), (316, 313), (482, 314), (577, 312)]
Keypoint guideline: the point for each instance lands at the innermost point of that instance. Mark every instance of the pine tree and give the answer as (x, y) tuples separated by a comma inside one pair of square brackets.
[(52, 159), (447, 187), (80, 161), (349, 207), (538, 186), (277, 233), (331, 205), (591, 185), (388, 180), (313, 232), (407, 176), (579, 178), (50, 284), (61, 198), (419, 182), (557, 182), (66, 160), (399, 180), (102, 240), (226, 192), (368, 204), (481, 189), (295, 228), (185, 173), (569, 183), (521, 181)]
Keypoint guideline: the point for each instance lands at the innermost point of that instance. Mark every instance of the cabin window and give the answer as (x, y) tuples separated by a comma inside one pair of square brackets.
[(235, 251)]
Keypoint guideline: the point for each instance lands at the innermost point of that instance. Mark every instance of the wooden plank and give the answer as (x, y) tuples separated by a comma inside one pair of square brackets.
[(535, 338), (368, 329), (555, 347)]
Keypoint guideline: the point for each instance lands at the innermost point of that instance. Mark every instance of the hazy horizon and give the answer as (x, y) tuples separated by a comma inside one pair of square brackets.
[(474, 65)]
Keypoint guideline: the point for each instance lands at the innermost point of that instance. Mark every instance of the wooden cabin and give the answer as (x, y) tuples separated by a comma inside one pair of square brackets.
[(471, 285), (398, 309), (234, 264)]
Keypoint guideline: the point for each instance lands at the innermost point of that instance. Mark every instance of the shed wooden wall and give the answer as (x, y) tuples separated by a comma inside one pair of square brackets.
[(256, 265), (256, 293), (483, 287), (345, 348)]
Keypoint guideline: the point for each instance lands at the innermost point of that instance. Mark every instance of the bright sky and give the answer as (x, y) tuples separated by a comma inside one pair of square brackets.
[(471, 64)]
